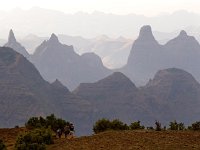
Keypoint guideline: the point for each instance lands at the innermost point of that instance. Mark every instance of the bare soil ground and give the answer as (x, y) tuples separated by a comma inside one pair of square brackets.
[(119, 140), (132, 140)]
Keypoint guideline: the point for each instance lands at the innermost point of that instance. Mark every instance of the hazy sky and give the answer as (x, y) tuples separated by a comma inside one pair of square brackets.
[(145, 7)]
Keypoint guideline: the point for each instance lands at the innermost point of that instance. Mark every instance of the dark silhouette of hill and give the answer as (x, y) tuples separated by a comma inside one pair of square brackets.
[(172, 94), (24, 93)]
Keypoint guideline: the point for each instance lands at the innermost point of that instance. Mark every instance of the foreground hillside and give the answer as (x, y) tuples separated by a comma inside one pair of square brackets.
[(9, 136), (118, 140), (128, 140)]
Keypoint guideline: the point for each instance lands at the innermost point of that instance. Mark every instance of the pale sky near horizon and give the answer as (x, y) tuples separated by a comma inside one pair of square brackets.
[(144, 7)]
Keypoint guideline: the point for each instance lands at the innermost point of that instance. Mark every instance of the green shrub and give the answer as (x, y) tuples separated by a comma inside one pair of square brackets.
[(35, 122), (102, 125), (118, 125), (2, 145), (34, 140), (136, 126), (105, 124)]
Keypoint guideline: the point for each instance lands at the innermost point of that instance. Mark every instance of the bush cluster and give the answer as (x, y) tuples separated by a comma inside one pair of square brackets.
[(176, 126), (105, 124), (50, 121), (34, 140)]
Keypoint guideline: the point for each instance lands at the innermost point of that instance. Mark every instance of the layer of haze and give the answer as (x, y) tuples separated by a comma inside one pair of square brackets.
[(144, 7), (105, 27)]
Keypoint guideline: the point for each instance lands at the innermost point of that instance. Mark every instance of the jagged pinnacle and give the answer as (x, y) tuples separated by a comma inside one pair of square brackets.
[(11, 37)]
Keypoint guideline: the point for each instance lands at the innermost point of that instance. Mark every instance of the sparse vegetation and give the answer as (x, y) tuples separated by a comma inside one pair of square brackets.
[(2, 145), (40, 138), (34, 140)]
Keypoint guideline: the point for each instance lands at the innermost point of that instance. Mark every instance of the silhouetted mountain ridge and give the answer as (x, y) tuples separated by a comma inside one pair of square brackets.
[(58, 61), (147, 56)]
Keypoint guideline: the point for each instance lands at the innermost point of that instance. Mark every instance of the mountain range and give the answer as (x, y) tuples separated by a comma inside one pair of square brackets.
[(93, 24), (58, 61), (171, 94), (146, 57), (159, 82)]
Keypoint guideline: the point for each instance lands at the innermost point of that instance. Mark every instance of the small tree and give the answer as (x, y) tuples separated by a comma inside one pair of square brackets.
[(136, 126), (173, 125), (196, 126), (2, 145), (181, 126), (158, 126)]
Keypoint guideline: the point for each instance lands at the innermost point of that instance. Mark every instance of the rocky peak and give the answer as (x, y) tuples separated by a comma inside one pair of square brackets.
[(146, 33), (12, 43), (172, 76), (11, 37), (57, 84), (117, 78), (53, 39), (183, 33)]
